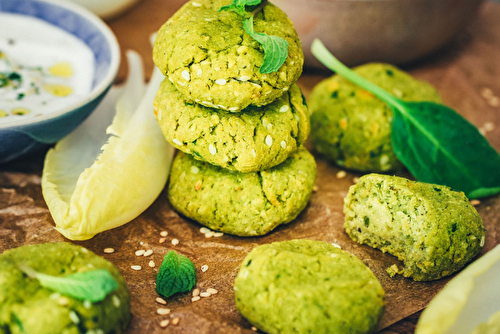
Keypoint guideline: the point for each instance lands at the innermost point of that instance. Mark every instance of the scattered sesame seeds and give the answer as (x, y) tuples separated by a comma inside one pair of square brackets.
[(177, 141), (212, 149), (355, 179), (164, 323), (162, 240), (482, 241), (175, 321), (109, 250), (85, 250), (205, 294), (136, 267), (341, 174), (163, 233), (196, 292), (475, 202), (197, 185), (204, 230), (336, 245), (212, 291), (161, 301), (253, 152), (63, 301), (148, 252), (152, 264), (195, 170), (283, 144), (163, 311), (233, 108), (196, 4), (199, 72), (186, 75), (116, 301), (488, 126), (221, 82), (242, 49), (204, 268), (175, 242), (140, 252), (315, 188), (218, 234), (284, 108), (487, 93), (244, 78), (195, 298), (269, 140), (87, 304), (494, 101), (254, 328), (74, 317), (209, 234)]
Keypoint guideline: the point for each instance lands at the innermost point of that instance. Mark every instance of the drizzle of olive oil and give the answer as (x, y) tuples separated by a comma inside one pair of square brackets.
[(58, 90), (20, 111), (62, 69)]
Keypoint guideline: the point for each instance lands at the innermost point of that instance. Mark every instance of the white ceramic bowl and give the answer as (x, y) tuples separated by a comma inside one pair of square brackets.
[(24, 135), (106, 9)]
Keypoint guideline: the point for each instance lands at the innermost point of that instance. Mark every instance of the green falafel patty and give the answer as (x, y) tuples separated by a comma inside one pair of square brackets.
[(306, 286), (246, 142), (244, 204), (211, 60), (27, 307), (351, 127), (434, 230)]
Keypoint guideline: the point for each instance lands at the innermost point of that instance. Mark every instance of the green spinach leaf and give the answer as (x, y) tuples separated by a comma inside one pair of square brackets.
[(176, 274), (433, 141), (92, 285)]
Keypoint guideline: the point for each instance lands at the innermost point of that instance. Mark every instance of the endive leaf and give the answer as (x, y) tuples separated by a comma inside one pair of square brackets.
[(469, 303), (92, 182)]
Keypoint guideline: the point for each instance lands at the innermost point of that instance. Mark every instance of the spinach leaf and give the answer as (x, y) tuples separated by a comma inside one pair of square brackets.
[(275, 48), (176, 274), (433, 141), (92, 285)]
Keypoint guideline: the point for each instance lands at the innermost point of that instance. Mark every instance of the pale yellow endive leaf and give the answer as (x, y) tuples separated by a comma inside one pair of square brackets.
[(93, 181), (469, 303)]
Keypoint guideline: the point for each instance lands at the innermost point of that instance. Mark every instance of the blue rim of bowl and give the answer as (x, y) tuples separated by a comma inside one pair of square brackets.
[(96, 91)]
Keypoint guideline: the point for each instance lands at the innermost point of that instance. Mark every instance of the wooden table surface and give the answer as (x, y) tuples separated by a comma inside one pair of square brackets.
[(461, 72), (483, 37)]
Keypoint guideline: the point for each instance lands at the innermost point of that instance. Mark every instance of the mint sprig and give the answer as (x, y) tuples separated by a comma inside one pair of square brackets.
[(238, 6), (176, 274), (275, 48), (92, 285)]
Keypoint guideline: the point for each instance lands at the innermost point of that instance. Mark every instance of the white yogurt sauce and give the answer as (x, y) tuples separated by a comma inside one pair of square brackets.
[(42, 68)]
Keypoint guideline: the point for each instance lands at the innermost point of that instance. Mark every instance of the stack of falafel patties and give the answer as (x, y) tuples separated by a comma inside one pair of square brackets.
[(242, 168)]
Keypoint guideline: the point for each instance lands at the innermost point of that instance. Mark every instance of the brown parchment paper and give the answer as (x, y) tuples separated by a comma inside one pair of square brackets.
[(460, 72)]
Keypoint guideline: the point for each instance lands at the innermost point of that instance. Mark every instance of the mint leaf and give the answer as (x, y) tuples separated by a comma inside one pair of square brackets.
[(275, 48), (176, 274), (433, 141), (238, 6), (92, 285)]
